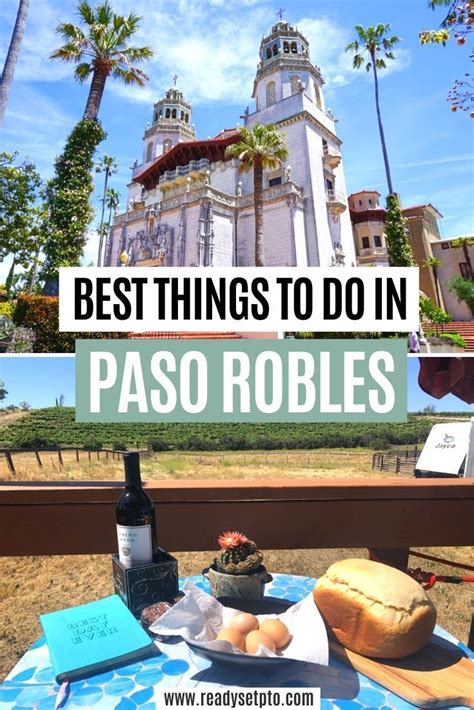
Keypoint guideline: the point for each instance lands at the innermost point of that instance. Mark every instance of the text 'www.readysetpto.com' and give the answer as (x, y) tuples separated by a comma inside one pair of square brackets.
[(260, 699)]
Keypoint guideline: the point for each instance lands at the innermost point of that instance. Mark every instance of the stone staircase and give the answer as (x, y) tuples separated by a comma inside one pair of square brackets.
[(464, 328)]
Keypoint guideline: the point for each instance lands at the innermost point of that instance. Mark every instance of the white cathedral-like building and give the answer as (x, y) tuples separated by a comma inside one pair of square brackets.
[(188, 205)]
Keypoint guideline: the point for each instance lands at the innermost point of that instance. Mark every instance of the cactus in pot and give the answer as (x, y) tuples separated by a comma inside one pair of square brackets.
[(237, 571), (238, 554)]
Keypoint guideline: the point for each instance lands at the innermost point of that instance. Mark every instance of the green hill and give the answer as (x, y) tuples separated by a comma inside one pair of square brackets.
[(56, 426)]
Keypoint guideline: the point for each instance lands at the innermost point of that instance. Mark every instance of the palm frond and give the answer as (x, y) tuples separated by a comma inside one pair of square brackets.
[(136, 54), (82, 72), (129, 75), (86, 12), (67, 53)]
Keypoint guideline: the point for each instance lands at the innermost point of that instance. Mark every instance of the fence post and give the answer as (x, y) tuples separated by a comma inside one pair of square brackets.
[(9, 460), (397, 465), (89, 454), (38, 459), (77, 455), (60, 459), (373, 461)]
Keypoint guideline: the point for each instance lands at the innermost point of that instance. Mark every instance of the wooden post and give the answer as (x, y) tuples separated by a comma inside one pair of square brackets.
[(60, 459), (38, 459), (89, 454), (397, 465), (107, 454), (9, 460), (77, 455), (98, 455), (470, 642), (395, 557)]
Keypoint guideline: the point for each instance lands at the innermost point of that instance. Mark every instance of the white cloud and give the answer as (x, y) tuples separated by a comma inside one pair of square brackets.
[(328, 41), (211, 44)]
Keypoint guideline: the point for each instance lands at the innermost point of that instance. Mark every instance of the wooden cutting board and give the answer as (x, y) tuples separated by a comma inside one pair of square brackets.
[(438, 676)]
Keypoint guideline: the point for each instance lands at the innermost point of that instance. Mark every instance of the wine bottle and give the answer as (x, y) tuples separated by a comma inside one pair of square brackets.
[(135, 513)]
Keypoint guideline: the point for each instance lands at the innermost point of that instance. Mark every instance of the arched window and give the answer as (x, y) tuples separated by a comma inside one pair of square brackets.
[(294, 48), (271, 93), (149, 152), (168, 113), (317, 93), (275, 50), (160, 113), (269, 53), (286, 47), (182, 115), (167, 145), (295, 84), (186, 118), (173, 113)]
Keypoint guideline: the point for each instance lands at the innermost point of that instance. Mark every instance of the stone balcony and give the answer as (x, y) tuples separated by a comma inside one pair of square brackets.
[(336, 202), (195, 169), (373, 251), (331, 156)]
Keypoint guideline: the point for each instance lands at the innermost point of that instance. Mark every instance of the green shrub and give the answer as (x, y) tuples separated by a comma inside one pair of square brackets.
[(41, 314), (37, 442), (380, 444), (157, 445), (93, 445), (453, 339), (119, 446)]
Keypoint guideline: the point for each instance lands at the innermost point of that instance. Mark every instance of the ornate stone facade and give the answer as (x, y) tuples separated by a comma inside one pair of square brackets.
[(190, 205)]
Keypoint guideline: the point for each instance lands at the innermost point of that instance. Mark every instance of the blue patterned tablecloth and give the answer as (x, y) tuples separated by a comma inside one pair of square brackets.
[(31, 686)]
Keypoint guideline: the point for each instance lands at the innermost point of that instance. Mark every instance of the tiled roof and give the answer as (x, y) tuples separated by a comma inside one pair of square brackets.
[(182, 153)]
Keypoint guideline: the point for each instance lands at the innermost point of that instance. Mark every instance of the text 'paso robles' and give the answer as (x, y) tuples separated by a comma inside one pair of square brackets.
[(241, 380), (220, 299)]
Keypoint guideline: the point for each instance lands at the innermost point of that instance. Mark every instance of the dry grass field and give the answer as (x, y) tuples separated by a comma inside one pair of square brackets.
[(35, 585)]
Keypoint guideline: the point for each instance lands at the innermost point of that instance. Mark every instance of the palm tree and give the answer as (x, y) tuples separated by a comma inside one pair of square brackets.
[(374, 42), (108, 166), (111, 201), (8, 72), (433, 263), (259, 147), (465, 243), (101, 50)]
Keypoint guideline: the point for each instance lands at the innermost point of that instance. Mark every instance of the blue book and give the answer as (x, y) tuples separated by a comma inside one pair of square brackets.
[(91, 638)]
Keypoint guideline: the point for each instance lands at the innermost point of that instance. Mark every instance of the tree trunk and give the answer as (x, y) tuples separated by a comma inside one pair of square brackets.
[(95, 94), (382, 134), (101, 228), (12, 56), (438, 294), (258, 209), (9, 281)]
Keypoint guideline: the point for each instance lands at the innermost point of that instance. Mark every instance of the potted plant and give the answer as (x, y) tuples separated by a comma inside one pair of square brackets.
[(237, 571)]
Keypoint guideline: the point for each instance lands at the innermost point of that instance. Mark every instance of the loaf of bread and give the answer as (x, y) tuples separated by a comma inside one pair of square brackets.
[(374, 609)]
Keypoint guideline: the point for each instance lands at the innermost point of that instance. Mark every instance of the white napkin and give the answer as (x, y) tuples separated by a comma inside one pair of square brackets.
[(198, 617)]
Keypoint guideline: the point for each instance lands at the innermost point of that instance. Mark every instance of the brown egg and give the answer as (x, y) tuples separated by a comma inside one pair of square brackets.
[(232, 636), (243, 622), (277, 631), (257, 638)]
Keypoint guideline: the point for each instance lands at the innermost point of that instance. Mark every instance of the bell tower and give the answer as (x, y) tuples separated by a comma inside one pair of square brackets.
[(288, 93), (172, 124), (285, 68)]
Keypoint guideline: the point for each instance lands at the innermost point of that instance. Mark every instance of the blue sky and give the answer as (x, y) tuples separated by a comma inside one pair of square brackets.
[(39, 380), (213, 47)]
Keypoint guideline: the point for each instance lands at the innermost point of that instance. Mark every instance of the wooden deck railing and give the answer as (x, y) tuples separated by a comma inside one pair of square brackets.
[(79, 518)]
